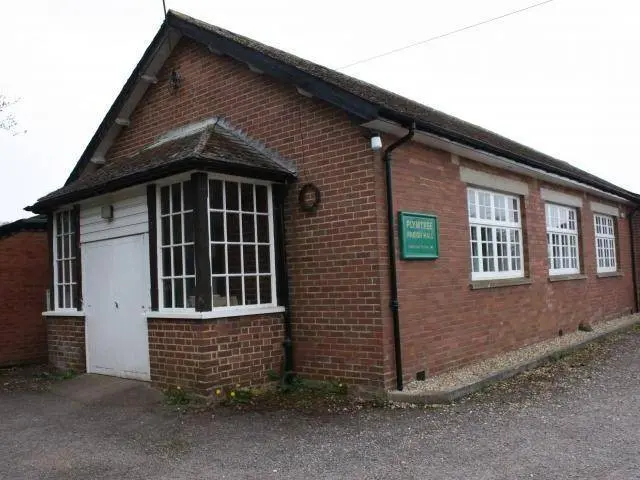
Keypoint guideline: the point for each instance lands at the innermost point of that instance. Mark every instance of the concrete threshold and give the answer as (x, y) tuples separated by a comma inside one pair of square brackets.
[(451, 386)]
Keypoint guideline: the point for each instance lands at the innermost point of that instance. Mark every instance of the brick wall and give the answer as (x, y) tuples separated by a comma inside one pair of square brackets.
[(445, 324), (66, 343), (333, 253), (24, 279), (202, 355)]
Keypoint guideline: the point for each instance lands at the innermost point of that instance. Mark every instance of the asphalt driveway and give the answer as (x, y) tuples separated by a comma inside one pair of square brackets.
[(582, 423)]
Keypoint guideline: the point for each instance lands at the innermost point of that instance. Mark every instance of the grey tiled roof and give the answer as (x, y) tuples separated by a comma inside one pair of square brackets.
[(213, 142)]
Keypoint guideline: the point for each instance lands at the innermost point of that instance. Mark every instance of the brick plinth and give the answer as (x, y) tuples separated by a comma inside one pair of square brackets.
[(66, 339), (202, 355)]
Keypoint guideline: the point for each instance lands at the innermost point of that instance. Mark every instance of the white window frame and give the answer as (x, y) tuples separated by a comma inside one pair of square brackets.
[(562, 231), (604, 227), (71, 259), (168, 183), (508, 225), (272, 264), (220, 311)]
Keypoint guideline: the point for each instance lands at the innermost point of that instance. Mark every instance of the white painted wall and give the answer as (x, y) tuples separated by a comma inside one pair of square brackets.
[(129, 216)]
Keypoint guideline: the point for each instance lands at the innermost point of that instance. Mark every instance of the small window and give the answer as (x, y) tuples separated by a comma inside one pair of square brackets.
[(562, 239), (176, 255), (605, 243), (496, 235), (64, 266)]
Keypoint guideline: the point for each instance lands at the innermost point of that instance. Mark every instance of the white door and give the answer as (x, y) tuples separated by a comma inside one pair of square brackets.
[(115, 279)]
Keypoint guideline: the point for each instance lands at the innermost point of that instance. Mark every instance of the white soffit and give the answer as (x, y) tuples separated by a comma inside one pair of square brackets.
[(147, 78), (606, 209), (456, 148), (493, 182), (559, 197)]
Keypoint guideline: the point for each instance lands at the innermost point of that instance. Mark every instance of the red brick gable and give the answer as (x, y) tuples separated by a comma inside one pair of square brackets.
[(333, 254)]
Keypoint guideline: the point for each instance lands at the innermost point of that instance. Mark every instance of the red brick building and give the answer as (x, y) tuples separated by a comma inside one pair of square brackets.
[(230, 216), (24, 280)]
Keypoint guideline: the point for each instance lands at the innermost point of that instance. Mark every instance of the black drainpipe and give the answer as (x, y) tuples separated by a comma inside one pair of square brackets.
[(393, 274), (284, 297), (633, 259)]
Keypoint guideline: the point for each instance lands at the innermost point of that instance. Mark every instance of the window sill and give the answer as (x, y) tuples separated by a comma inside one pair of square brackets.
[(564, 278), (609, 274), (215, 314), (499, 282), (63, 313)]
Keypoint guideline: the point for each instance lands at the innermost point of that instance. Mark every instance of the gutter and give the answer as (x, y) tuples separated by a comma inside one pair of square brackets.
[(393, 273), (484, 147)]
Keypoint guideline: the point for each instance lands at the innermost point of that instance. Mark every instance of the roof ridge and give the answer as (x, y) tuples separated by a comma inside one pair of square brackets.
[(256, 144)]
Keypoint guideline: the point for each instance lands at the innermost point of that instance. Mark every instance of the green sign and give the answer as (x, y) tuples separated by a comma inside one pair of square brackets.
[(418, 236)]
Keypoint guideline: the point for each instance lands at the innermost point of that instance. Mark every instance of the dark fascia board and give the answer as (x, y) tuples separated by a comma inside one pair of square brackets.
[(474, 143), (33, 224), (350, 103), (185, 165), (119, 102)]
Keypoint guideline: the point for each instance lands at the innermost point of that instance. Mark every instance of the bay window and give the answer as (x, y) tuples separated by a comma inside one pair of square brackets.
[(605, 243), (562, 239), (238, 256), (496, 235)]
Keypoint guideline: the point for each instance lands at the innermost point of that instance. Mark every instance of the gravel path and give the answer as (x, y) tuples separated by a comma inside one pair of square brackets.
[(574, 419)]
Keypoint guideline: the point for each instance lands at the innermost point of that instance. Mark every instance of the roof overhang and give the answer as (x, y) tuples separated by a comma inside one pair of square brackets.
[(499, 161)]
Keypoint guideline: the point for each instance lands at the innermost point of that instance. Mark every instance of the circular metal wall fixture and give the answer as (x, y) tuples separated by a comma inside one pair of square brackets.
[(309, 197)]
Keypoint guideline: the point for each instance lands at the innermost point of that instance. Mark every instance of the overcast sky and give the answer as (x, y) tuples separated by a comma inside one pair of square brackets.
[(563, 78)]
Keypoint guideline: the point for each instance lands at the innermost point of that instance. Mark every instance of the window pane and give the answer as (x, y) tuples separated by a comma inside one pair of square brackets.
[(59, 223), (246, 193), (60, 269), (167, 293), (177, 261), (217, 258), (263, 228), (471, 203), (234, 258), (164, 200), (176, 197), (179, 293), (189, 260), (215, 194), (176, 224), (166, 231), (67, 296), (264, 259), (60, 296), (235, 291), (250, 290), (219, 291), (231, 195), (188, 195), (265, 289), (216, 223), (65, 246), (262, 204), (249, 258), (65, 276), (191, 292), (233, 227), (166, 261), (59, 252), (188, 227), (248, 228)]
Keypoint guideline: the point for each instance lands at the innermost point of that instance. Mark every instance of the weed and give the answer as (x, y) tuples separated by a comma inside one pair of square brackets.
[(177, 396)]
